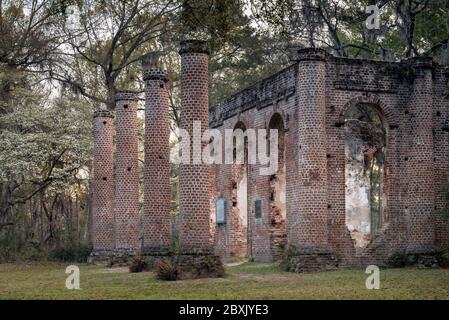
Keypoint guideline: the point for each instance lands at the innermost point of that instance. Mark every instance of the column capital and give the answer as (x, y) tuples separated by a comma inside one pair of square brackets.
[(312, 54), (126, 96), (421, 62), (153, 68), (194, 46), (103, 114)]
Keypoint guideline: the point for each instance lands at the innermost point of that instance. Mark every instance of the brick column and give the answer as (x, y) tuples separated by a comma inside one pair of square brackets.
[(127, 218), (308, 230), (195, 179), (102, 186), (156, 223), (420, 166)]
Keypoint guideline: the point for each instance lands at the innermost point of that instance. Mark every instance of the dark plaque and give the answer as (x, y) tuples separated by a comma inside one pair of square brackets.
[(258, 205)]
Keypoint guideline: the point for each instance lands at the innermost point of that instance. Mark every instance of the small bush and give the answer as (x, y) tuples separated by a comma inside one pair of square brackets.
[(166, 270), (211, 267), (71, 254), (443, 258), (398, 260), (31, 253), (138, 264), (285, 263)]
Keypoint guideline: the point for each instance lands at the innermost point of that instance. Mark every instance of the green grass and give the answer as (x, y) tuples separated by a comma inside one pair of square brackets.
[(247, 281)]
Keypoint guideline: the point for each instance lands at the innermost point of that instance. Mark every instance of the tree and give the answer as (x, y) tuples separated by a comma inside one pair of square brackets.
[(407, 28), (45, 152), (111, 38)]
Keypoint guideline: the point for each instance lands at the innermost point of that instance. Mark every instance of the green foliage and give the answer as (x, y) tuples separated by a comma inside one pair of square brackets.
[(45, 154), (397, 260), (285, 262), (13, 250), (442, 257), (45, 142), (71, 254)]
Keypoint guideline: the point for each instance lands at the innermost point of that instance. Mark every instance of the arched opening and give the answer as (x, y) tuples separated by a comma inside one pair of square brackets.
[(277, 199), (239, 199), (365, 149)]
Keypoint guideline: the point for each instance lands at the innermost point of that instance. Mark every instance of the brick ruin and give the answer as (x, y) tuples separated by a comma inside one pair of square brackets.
[(362, 172), (364, 169)]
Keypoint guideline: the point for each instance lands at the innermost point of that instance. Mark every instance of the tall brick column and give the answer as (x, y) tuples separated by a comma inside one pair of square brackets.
[(103, 186), (421, 200), (195, 179), (156, 213), (127, 218), (307, 230)]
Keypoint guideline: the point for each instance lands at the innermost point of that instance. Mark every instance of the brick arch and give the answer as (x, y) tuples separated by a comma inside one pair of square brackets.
[(281, 113), (389, 120), (387, 112), (241, 119)]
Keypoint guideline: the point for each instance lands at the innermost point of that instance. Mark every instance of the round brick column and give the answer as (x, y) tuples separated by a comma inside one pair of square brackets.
[(196, 191), (194, 179), (103, 186), (156, 222), (307, 225), (127, 218), (421, 187)]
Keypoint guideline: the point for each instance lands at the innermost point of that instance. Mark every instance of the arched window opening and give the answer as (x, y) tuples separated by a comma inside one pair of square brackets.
[(239, 199), (277, 200), (365, 147)]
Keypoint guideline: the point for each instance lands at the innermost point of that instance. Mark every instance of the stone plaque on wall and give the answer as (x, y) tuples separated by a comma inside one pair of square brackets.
[(258, 209), (221, 210)]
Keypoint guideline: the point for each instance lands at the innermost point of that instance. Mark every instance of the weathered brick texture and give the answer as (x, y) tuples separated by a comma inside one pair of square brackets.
[(309, 101), (156, 222), (420, 205), (127, 217), (194, 179), (313, 97), (102, 184), (308, 222)]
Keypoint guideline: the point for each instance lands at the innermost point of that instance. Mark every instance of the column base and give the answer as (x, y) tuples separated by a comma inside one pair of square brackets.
[(422, 260), (309, 262), (420, 249), (99, 256), (153, 260), (184, 266), (122, 257), (199, 266)]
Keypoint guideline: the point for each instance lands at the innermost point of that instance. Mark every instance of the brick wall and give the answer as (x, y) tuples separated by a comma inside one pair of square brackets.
[(313, 95)]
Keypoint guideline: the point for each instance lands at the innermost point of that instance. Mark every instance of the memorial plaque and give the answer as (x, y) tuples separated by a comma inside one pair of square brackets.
[(258, 205), (221, 210)]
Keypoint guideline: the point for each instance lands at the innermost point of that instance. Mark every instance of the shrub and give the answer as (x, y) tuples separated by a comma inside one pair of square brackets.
[(31, 253), (398, 260), (166, 269), (287, 252), (443, 258), (210, 266), (72, 254), (138, 264)]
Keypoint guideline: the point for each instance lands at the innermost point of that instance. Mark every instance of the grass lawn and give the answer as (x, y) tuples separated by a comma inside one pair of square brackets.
[(246, 281)]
